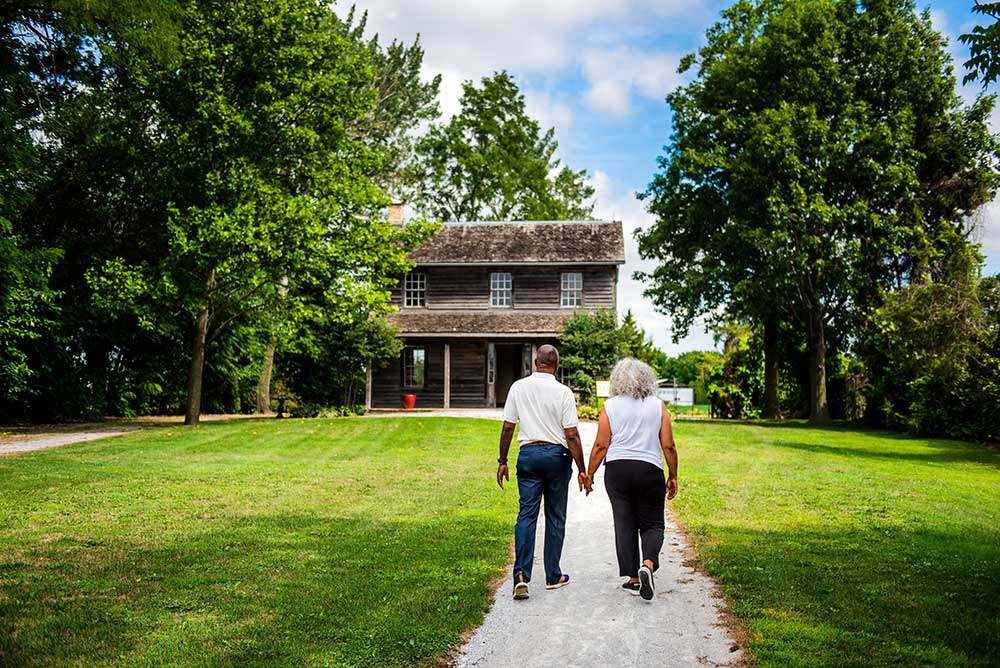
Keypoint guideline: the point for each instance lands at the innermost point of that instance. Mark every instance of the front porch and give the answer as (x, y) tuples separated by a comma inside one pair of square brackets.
[(453, 372)]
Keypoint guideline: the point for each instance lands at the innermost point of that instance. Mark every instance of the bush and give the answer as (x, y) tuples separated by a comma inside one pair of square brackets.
[(316, 411), (938, 355), (588, 412)]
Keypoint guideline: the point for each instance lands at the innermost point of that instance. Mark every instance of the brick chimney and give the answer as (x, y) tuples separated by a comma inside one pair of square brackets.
[(396, 213)]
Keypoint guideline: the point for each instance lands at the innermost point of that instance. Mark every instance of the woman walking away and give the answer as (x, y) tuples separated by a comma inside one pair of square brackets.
[(634, 436)]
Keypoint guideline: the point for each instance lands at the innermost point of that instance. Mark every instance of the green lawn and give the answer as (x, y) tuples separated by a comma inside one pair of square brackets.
[(372, 542), (324, 543), (848, 548)]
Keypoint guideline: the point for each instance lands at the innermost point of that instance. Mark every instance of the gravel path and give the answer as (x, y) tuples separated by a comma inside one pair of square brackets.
[(592, 622), (16, 445), (18, 439)]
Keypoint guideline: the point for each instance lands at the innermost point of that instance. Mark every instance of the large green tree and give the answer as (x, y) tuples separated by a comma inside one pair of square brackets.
[(492, 161), (57, 59), (399, 102), (817, 155), (267, 185)]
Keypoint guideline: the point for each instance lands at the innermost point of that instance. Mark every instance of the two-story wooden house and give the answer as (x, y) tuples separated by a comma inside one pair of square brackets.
[(480, 300)]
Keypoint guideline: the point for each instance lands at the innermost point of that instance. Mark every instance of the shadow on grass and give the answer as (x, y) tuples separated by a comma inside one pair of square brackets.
[(260, 590), (862, 596), (945, 453), (909, 447)]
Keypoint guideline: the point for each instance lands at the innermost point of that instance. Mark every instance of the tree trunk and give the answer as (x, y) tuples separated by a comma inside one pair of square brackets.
[(772, 407), (197, 368), (819, 410), (264, 385)]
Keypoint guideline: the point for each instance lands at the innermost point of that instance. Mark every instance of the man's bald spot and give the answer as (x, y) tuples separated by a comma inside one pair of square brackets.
[(547, 357)]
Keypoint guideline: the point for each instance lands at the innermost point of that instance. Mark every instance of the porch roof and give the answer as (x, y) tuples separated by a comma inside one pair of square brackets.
[(507, 322)]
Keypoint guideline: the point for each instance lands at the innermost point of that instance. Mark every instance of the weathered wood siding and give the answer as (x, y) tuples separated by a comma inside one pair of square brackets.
[(457, 287), (468, 373), (534, 288), (386, 383), (600, 288)]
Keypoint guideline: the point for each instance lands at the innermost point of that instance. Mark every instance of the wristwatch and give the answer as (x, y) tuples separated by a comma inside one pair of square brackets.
[(501, 460)]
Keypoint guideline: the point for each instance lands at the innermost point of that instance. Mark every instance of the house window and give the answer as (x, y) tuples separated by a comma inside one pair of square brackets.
[(501, 289), (414, 367), (415, 289), (571, 290)]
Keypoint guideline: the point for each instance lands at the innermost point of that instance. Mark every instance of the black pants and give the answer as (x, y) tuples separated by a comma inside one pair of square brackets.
[(637, 491)]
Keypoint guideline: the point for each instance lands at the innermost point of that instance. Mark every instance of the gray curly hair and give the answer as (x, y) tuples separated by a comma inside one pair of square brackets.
[(632, 378)]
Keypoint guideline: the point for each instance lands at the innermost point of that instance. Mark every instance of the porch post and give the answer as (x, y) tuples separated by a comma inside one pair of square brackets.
[(491, 372), (447, 376), (368, 387)]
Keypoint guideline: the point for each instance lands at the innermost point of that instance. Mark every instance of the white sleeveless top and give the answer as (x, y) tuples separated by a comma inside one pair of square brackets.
[(635, 429)]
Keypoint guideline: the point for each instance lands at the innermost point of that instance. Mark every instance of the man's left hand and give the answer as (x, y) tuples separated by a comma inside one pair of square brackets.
[(584, 481), (502, 474)]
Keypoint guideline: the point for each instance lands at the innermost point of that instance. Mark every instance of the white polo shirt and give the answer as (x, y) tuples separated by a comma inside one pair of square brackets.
[(543, 407)]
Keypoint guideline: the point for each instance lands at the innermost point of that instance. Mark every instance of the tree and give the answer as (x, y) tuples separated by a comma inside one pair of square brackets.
[(984, 45), (633, 342), (265, 185), (399, 102), (491, 161), (734, 381), (816, 158), (937, 341), (588, 348), (325, 366)]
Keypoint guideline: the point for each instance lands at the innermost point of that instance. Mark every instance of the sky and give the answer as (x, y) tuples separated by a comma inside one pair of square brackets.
[(598, 71)]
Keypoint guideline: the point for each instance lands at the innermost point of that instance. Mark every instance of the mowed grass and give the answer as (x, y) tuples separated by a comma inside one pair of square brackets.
[(840, 547), (352, 542)]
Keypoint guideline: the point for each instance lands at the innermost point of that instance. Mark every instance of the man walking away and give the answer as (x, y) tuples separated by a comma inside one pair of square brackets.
[(548, 436)]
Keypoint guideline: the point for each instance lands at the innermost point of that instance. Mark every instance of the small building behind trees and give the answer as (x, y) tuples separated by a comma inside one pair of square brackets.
[(482, 297)]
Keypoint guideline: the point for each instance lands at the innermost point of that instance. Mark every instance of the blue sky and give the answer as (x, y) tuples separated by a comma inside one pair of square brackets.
[(598, 71)]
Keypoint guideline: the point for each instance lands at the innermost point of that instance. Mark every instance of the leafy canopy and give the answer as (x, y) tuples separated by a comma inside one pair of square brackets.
[(491, 161)]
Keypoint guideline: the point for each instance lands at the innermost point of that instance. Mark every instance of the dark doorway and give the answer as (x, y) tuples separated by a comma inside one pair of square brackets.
[(508, 369)]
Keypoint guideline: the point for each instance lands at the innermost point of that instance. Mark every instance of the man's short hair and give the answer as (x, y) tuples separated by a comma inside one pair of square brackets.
[(547, 356)]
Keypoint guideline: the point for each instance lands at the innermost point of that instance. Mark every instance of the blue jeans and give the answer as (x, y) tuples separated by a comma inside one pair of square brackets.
[(542, 470)]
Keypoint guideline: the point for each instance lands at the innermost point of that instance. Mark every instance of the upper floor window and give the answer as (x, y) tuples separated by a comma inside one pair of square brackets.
[(414, 367), (571, 289), (501, 289), (415, 289)]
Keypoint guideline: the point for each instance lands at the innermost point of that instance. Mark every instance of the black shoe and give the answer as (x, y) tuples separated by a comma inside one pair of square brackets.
[(646, 590), (631, 587)]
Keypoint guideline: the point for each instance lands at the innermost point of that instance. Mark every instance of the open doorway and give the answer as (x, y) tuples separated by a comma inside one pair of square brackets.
[(508, 369)]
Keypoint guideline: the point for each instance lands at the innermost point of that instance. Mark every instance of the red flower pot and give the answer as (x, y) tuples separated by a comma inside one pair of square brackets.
[(409, 401)]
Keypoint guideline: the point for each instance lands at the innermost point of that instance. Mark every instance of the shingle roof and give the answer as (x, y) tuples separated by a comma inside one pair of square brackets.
[(506, 242), (508, 321)]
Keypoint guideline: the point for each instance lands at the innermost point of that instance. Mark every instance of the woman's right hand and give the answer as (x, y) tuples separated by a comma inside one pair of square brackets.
[(671, 488)]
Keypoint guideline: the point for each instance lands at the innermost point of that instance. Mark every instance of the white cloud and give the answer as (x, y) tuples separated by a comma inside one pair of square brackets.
[(615, 75), (615, 203), (548, 110), (469, 40)]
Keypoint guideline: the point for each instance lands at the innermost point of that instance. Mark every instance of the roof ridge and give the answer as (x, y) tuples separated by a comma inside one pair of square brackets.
[(457, 223)]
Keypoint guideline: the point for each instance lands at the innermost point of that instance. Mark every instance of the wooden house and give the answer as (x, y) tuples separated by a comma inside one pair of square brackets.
[(482, 297)]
